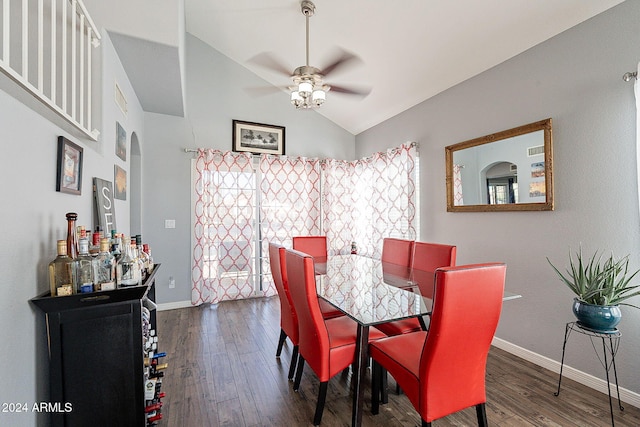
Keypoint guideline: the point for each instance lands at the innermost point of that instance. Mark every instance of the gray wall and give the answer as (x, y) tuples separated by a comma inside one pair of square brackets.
[(216, 94), (575, 78), (33, 218)]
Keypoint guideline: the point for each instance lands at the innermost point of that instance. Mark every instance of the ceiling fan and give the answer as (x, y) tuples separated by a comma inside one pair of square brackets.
[(309, 89)]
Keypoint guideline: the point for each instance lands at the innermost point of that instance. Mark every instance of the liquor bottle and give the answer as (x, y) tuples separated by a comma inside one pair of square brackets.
[(155, 418), (144, 258), (153, 407), (127, 273), (150, 265), (61, 272), (104, 268), (136, 256), (72, 246), (94, 247), (84, 268), (115, 245), (81, 232)]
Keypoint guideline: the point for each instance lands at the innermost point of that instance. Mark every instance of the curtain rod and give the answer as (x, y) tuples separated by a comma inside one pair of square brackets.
[(195, 150), (631, 75)]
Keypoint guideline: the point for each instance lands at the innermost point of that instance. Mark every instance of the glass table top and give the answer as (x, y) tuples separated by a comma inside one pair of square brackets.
[(370, 291)]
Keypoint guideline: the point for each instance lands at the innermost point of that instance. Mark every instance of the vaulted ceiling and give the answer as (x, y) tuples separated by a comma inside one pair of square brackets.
[(409, 50)]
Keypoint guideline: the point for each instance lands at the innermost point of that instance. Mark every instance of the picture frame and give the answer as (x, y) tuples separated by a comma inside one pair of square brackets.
[(258, 138), (120, 183), (69, 167), (121, 142)]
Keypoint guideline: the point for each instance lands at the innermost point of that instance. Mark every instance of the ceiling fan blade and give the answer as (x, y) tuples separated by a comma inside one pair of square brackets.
[(272, 62), (341, 59), (351, 91)]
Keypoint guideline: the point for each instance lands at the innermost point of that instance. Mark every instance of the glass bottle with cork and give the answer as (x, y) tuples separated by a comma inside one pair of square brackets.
[(104, 268), (61, 278)]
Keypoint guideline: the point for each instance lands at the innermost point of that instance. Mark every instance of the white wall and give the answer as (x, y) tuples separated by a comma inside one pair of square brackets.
[(215, 95), (576, 79), (32, 218)]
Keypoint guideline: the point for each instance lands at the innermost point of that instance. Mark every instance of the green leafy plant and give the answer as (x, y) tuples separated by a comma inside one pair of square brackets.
[(599, 280)]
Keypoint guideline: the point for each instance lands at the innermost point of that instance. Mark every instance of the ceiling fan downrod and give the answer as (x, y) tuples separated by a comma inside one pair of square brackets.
[(308, 9)]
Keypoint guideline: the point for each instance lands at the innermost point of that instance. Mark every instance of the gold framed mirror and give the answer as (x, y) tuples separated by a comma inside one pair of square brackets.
[(510, 170)]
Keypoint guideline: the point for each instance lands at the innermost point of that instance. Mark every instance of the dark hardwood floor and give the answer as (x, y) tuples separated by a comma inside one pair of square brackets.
[(223, 372)]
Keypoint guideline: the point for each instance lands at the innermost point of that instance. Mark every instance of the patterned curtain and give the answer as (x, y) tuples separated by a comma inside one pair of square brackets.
[(457, 185), (289, 204), (367, 200), (224, 232)]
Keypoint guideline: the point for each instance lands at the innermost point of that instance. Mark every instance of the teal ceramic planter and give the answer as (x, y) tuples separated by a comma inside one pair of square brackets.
[(599, 318)]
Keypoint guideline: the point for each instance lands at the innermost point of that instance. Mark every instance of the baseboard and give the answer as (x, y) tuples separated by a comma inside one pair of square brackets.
[(627, 396), (174, 305)]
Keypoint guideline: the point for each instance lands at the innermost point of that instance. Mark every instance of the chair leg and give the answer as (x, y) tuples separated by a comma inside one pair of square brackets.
[(283, 337), (482, 415), (376, 372), (384, 384), (296, 383), (322, 397), (294, 360)]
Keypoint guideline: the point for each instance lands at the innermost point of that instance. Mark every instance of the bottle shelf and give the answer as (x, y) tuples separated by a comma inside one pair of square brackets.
[(96, 355)]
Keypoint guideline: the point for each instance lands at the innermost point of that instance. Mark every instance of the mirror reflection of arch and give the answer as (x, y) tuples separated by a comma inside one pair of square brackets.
[(501, 180), (509, 170)]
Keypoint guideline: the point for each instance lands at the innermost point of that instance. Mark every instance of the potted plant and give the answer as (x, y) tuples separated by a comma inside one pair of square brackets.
[(600, 284)]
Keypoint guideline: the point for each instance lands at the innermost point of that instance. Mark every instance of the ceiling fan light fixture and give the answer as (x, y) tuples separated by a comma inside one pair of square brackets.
[(308, 89), (318, 97), (296, 99), (305, 88)]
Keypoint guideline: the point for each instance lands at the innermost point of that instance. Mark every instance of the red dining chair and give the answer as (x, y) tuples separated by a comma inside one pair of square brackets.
[(427, 257), (442, 371), (288, 317), (397, 251), (326, 345), (316, 246)]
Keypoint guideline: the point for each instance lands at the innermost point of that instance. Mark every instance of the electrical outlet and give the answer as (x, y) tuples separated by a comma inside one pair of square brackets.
[(169, 223), (172, 282)]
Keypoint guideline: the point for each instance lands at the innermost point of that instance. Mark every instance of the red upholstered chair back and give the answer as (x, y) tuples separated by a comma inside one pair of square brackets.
[(397, 251), (316, 246), (427, 257), (467, 305), (313, 335), (288, 317)]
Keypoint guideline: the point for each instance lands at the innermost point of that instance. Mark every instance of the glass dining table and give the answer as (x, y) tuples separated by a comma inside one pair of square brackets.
[(371, 292)]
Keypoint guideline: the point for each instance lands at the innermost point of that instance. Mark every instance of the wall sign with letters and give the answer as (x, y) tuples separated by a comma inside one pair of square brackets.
[(105, 212)]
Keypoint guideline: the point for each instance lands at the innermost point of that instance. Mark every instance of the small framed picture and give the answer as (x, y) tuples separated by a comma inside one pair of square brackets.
[(120, 180), (121, 142), (69, 170), (258, 138)]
